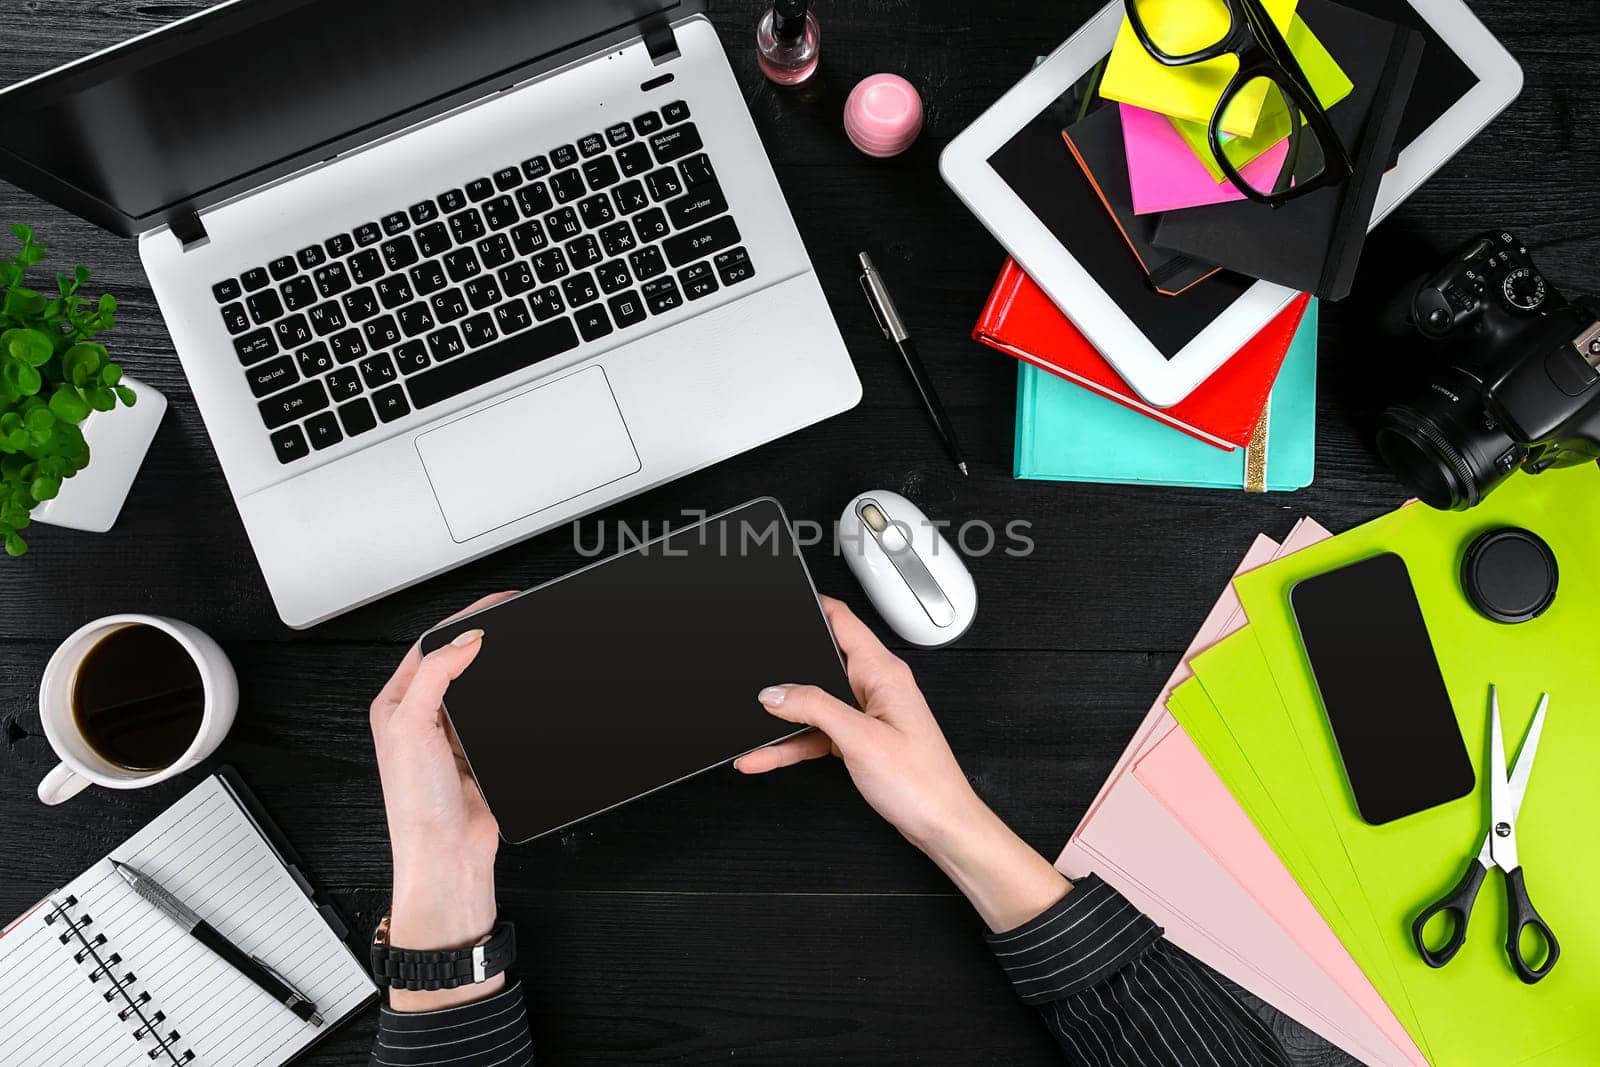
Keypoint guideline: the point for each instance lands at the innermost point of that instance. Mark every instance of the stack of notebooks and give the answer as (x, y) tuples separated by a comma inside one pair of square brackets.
[(1228, 818), (1142, 140)]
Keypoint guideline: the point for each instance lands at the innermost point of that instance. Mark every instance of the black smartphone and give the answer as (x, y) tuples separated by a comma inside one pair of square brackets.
[(1379, 680)]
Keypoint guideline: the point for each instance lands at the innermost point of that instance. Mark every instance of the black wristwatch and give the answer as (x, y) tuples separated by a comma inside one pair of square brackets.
[(405, 968)]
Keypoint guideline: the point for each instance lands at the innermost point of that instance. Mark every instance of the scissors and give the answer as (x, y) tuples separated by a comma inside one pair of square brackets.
[(1499, 850)]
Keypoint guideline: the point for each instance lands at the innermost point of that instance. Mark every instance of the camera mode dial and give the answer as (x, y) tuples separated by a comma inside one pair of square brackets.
[(1524, 289)]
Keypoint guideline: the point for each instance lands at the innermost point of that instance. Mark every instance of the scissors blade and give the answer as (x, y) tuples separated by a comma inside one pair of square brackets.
[(1524, 764), (1502, 810)]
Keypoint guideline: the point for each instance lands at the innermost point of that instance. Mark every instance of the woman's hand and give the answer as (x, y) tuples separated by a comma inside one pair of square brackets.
[(899, 760), (441, 833)]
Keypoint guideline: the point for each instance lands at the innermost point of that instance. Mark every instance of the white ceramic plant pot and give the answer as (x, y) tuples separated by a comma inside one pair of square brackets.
[(118, 440)]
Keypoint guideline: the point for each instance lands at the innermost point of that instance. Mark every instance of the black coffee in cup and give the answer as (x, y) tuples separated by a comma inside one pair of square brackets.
[(138, 698)]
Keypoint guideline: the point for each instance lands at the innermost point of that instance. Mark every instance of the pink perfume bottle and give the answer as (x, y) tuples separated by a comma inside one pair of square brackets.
[(789, 42)]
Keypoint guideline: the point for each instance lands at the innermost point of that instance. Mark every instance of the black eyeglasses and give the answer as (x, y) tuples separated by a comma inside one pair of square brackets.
[(1269, 92)]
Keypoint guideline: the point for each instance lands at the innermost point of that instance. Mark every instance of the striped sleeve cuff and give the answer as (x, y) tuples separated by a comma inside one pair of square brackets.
[(486, 1033), (1088, 936)]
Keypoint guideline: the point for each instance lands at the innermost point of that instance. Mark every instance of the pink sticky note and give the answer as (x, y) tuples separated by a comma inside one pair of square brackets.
[(1165, 175)]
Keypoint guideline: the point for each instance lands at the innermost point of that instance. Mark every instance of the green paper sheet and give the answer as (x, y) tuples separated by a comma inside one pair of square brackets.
[(1253, 710)]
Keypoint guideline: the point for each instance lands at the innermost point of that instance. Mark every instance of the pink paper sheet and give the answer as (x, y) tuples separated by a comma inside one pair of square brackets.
[(1165, 175), (1135, 842)]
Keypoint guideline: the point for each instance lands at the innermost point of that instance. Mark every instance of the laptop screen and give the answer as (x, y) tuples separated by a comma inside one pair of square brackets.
[(256, 88)]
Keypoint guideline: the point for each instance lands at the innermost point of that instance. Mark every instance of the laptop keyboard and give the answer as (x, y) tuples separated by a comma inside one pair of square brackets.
[(482, 281)]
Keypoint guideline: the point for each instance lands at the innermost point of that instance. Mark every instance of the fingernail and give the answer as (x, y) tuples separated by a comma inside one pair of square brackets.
[(773, 695), (471, 637)]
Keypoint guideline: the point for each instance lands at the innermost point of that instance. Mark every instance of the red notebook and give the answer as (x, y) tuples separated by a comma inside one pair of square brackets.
[(1021, 321)]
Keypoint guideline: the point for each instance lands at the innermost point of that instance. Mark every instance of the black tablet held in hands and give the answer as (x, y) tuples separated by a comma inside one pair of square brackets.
[(1379, 679), (638, 670)]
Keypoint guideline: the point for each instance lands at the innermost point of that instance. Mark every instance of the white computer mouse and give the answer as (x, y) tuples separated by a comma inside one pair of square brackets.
[(912, 575)]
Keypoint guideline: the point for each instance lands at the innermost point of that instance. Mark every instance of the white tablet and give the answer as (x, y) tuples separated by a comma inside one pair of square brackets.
[(1048, 219)]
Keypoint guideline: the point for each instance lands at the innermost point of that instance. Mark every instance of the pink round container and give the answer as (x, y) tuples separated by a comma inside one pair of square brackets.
[(883, 115)]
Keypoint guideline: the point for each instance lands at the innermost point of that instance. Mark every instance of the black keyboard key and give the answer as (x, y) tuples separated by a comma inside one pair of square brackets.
[(546, 303), (698, 281), (697, 171), (601, 173), (580, 289), (368, 233), (647, 123), (694, 244), (529, 237), (517, 278), (226, 290), (495, 251), (647, 262), (314, 360), (391, 403), (509, 356), (596, 211), (424, 212), (428, 278), (307, 398), (651, 225), (676, 142), (293, 331), (619, 135), (344, 383), (267, 378), (479, 330), (332, 280), (445, 344), (366, 266), (361, 304), (563, 224), (591, 145), (454, 200), (382, 332), (255, 346), (584, 252), (399, 253), (500, 212), (323, 430), (662, 295), (535, 199), (434, 239), (396, 223), (299, 294), (564, 156), (512, 316), (696, 206), (416, 320), (255, 279), (550, 265), (613, 276), (462, 264), (480, 189), (325, 318), (235, 318), (482, 292), (634, 160), (734, 266), (411, 357), (663, 184), (347, 346), (466, 226), (618, 239), (593, 322), (449, 305), (356, 417), (290, 444), (535, 168), (264, 306), (630, 197), (339, 246), (676, 111), (567, 186), (378, 371), (394, 291), (627, 309), (507, 178)]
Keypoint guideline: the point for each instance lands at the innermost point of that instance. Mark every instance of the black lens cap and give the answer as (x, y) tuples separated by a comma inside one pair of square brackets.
[(1510, 575)]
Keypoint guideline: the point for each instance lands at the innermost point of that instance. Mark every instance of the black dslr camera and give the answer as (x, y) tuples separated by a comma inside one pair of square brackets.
[(1518, 387)]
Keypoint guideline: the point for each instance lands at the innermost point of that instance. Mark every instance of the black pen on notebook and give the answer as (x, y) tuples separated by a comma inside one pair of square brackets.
[(894, 328), (276, 986)]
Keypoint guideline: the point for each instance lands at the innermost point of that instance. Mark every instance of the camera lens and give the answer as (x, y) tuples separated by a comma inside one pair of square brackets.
[(1444, 447)]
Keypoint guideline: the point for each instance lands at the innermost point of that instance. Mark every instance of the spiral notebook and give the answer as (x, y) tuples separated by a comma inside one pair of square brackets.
[(96, 975)]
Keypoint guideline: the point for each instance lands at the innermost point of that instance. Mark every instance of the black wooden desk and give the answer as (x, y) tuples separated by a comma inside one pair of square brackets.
[(773, 921)]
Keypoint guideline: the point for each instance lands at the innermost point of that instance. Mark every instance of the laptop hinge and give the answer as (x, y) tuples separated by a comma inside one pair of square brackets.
[(189, 230), (659, 39)]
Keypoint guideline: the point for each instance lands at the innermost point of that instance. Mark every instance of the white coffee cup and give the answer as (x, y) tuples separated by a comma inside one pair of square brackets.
[(81, 766)]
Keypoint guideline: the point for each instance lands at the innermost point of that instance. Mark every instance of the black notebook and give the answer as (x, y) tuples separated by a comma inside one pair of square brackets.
[(95, 974), (1313, 243)]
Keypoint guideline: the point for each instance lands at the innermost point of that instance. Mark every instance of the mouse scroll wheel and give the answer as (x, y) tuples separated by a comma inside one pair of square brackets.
[(889, 535)]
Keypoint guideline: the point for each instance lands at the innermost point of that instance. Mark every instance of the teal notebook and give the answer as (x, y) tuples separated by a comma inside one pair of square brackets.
[(1066, 433)]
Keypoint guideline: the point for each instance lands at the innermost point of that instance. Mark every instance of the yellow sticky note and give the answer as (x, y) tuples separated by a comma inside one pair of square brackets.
[(1134, 76)]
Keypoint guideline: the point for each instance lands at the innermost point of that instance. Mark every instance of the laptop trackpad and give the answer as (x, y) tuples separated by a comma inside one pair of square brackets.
[(527, 453)]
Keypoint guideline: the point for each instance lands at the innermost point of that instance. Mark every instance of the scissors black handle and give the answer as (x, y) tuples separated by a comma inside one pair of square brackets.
[(1457, 905), (1519, 909)]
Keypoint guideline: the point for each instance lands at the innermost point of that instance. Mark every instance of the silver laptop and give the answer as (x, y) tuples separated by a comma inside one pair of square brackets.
[(443, 276)]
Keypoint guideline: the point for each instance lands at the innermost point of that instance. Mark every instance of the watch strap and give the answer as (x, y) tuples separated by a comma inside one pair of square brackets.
[(420, 969)]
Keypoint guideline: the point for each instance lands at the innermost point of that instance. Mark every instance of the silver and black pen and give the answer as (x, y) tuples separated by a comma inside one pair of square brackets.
[(275, 985), (894, 328)]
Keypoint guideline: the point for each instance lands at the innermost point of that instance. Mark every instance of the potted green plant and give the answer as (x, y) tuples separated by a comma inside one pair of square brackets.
[(59, 394)]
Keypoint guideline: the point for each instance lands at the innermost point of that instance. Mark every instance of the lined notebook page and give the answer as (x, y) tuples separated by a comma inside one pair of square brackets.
[(209, 854)]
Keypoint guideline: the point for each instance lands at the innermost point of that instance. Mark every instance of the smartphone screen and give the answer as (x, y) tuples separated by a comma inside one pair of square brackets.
[(638, 670), (1381, 689)]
